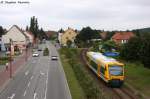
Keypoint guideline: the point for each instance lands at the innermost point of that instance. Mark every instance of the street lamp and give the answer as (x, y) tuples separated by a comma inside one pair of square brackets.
[(10, 60), (26, 52)]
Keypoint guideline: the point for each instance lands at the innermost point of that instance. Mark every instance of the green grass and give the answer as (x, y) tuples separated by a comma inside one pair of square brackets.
[(138, 77), (75, 88)]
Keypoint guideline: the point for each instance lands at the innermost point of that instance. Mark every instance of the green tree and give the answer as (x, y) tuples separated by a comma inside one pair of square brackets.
[(131, 50), (27, 28), (1, 31), (34, 26), (145, 50), (85, 35), (109, 45)]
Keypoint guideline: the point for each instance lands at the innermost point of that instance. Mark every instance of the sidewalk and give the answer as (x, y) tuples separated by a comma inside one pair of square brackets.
[(5, 74)]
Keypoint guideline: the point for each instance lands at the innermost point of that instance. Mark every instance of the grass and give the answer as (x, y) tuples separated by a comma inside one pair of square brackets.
[(138, 77), (75, 88)]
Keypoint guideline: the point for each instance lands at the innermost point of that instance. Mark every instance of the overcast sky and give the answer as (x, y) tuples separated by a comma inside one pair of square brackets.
[(99, 14)]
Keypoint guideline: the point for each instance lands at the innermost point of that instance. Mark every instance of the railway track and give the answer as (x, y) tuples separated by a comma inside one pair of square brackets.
[(116, 93)]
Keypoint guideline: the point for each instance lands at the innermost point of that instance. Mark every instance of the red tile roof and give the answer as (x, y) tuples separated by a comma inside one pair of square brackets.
[(123, 35)]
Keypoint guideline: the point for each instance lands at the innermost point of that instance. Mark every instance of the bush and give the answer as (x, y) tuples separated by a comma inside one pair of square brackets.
[(86, 81), (46, 52)]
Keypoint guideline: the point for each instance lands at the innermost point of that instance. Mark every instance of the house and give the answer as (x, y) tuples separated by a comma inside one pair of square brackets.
[(30, 36), (51, 34), (122, 37), (18, 37), (67, 35), (2, 47), (103, 35)]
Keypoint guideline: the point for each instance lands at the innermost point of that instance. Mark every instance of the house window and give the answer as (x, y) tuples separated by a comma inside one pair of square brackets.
[(67, 38)]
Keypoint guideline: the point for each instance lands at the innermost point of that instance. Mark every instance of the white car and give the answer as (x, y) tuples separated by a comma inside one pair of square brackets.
[(35, 54), (54, 58)]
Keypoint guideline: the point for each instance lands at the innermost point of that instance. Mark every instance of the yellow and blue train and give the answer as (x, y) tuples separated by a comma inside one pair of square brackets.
[(108, 69)]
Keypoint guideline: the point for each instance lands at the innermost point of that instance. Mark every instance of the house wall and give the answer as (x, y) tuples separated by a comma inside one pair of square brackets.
[(17, 37), (68, 35)]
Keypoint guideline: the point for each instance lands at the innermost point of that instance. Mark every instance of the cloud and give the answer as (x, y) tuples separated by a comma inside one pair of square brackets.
[(100, 14)]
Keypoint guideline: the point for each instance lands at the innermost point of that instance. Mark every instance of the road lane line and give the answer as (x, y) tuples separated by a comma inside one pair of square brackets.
[(31, 77), (24, 93), (28, 84), (35, 94), (46, 84), (12, 96), (26, 73)]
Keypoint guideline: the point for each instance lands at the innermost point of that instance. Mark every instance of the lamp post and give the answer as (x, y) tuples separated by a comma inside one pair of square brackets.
[(10, 60), (26, 53)]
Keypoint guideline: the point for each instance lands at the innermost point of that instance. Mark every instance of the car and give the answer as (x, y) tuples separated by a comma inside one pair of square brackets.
[(54, 58), (39, 49), (35, 54)]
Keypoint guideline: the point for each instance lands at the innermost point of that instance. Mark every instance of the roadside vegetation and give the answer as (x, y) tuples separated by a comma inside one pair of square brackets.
[(4, 60), (86, 86), (138, 76), (46, 52)]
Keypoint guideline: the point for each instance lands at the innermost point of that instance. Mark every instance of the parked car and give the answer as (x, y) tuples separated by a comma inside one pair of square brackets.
[(35, 54), (54, 58)]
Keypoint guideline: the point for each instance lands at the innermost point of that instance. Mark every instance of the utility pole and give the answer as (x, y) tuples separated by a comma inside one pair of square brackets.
[(26, 53), (10, 60)]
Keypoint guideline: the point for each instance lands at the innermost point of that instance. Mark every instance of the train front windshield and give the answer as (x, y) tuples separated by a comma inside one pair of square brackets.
[(116, 70)]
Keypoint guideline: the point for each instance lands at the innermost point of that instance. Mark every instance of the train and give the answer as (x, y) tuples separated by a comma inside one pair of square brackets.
[(108, 69)]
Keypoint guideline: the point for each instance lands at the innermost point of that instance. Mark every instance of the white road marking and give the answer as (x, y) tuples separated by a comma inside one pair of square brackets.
[(35, 94), (31, 77), (28, 84), (26, 73), (42, 73), (12, 96), (46, 84), (24, 93)]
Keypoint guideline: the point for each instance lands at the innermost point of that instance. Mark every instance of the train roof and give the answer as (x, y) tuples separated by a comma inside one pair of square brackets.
[(99, 57)]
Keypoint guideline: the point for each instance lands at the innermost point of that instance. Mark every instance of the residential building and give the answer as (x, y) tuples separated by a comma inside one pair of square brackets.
[(122, 37), (18, 37), (30, 36), (67, 35), (103, 35)]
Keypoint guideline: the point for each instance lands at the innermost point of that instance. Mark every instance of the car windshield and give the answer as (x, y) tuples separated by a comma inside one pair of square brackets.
[(116, 70)]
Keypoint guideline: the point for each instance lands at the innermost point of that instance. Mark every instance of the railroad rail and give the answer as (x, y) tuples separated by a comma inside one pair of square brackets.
[(118, 93)]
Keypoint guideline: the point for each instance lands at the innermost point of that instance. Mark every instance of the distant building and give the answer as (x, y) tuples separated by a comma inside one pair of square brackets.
[(2, 47), (30, 36), (122, 37), (103, 35), (19, 38), (67, 35), (50, 34)]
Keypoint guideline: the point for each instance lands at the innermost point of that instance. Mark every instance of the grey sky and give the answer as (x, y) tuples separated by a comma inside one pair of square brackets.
[(99, 14)]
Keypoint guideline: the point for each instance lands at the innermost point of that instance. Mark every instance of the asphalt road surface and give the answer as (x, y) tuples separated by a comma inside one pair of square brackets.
[(40, 78)]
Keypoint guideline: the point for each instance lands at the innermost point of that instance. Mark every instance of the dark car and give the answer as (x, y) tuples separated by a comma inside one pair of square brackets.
[(39, 49)]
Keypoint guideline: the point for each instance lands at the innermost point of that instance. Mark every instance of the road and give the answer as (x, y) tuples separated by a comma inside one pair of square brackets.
[(40, 78)]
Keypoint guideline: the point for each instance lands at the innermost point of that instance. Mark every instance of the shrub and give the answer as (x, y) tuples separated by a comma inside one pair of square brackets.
[(46, 52)]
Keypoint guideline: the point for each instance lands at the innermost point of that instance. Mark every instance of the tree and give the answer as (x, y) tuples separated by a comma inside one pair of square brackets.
[(86, 35), (109, 45), (27, 29), (131, 50), (145, 50), (61, 31), (1, 31), (34, 26)]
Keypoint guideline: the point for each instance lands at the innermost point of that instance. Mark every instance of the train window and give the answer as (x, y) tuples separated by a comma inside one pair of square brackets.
[(116, 70), (102, 70), (94, 65)]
